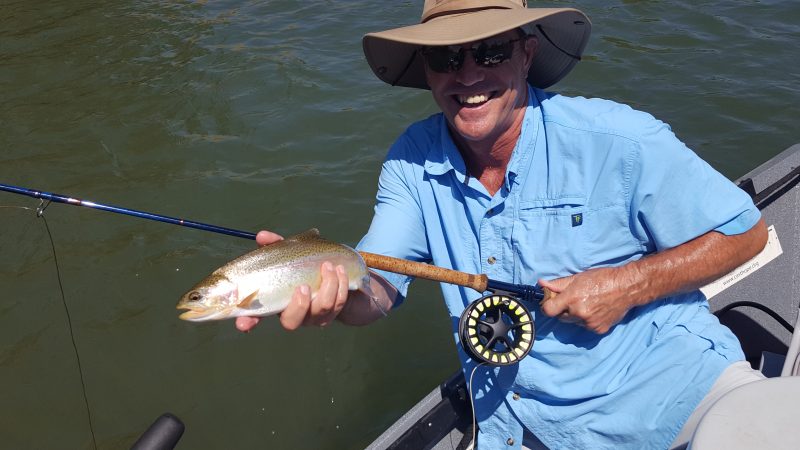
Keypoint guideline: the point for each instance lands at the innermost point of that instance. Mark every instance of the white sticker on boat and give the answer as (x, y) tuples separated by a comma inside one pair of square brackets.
[(771, 251)]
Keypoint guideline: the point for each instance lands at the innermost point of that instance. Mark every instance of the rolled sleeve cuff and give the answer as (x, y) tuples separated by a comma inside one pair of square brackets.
[(741, 223)]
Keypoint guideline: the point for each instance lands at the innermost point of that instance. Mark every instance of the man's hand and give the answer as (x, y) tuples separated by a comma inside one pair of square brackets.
[(596, 299)]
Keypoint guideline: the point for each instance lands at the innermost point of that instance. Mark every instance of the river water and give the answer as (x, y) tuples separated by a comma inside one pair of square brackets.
[(264, 114)]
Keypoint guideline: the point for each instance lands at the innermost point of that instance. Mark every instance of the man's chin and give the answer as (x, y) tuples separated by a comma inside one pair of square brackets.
[(472, 131)]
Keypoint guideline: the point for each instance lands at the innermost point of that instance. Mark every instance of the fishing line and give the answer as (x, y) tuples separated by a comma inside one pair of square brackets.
[(380, 308), (40, 214), (472, 403)]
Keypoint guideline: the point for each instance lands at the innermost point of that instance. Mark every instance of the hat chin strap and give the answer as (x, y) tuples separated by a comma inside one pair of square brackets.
[(573, 56), (446, 8)]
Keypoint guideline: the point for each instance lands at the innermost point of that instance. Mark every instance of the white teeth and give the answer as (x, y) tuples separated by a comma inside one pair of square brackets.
[(473, 99)]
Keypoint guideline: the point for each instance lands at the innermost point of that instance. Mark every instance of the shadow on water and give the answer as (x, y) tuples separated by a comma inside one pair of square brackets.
[(258, 115)]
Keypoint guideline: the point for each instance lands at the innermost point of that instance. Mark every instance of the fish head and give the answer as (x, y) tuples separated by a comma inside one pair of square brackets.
[(211, 299)]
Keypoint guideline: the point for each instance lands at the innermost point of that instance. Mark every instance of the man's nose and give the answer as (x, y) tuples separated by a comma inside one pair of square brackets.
[(470, 72)]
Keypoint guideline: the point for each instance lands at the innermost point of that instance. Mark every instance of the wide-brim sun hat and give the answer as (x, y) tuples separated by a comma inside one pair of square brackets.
[(563, 33)]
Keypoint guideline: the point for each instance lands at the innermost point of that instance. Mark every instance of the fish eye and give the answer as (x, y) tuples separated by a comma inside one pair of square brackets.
[(195, 296)]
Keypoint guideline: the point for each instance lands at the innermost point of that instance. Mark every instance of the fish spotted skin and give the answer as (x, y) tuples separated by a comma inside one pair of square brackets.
[(261, 283)]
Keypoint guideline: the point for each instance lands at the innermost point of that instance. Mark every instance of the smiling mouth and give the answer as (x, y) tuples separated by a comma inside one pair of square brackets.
[(473, 100)]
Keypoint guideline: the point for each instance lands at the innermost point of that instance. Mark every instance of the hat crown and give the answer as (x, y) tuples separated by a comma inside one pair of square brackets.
[(436, 8)]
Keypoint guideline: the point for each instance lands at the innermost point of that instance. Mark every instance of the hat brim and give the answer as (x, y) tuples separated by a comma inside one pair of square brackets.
[(563, 34)]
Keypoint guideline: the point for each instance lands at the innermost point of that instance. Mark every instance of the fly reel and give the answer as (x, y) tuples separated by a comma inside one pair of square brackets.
[(496, 330)]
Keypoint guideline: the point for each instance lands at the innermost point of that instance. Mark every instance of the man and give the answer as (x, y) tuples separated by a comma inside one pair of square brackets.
[(600, 203)]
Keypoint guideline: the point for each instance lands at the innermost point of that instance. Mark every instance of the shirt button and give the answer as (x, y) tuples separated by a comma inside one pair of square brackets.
[(490, 211), (491, 260), (510, 441), (515, 396)]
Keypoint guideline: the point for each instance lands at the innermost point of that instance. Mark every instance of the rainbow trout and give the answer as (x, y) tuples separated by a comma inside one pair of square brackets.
[(261, 283)]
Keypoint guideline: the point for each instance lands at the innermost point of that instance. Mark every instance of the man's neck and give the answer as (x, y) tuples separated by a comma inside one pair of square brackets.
[(487, 160)]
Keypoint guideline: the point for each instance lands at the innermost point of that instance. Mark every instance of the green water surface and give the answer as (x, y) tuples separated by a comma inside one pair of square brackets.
[(264, 114)]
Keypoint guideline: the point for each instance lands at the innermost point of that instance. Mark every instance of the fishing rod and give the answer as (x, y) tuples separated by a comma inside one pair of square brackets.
[(480, 283), (496, 328), (58, 198)]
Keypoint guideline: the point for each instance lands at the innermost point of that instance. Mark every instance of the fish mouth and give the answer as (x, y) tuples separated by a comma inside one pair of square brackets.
[(194, 314)]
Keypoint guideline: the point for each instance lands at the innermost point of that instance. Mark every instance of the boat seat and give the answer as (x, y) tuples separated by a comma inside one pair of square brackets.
[(762, 414), (791, 365)]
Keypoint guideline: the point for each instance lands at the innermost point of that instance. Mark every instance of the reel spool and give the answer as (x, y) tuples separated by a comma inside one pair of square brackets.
[(497, 330)]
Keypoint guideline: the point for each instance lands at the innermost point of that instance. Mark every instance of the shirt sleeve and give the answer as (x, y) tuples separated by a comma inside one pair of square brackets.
[(675, 196), (398, 228)]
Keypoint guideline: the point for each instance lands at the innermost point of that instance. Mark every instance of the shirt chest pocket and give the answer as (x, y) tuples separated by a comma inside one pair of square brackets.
[(557, 237)]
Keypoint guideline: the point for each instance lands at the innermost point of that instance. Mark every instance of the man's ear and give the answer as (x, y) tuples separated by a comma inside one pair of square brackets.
[(531, 48)]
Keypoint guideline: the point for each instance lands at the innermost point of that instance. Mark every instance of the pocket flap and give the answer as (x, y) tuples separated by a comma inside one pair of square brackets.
[(561, 202)]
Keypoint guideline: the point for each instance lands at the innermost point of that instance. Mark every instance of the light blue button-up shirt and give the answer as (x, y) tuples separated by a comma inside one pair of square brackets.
[(591, 183)]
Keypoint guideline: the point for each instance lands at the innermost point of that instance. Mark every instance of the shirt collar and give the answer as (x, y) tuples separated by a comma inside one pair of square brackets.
[(445, 156), (527, 139)]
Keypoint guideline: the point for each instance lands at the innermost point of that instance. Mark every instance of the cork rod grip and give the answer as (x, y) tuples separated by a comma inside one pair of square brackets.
[(548, 295), (426, 271)]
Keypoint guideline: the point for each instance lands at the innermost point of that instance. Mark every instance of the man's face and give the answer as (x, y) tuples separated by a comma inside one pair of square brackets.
[(479, 102)]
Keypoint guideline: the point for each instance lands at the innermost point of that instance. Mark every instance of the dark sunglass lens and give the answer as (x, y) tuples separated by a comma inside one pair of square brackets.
[(490, 55), (443, 59)]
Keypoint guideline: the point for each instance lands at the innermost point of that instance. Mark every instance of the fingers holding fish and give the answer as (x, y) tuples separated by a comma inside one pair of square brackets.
[(344, 290), (265, 237), (246, 323), (297, 310), (331, 296)]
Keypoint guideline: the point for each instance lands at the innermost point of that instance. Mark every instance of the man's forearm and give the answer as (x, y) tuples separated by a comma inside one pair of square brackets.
[(691, 265), (599, 298)]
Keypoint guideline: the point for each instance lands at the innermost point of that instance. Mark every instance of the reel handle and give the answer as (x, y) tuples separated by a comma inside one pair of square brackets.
[(426, 271)]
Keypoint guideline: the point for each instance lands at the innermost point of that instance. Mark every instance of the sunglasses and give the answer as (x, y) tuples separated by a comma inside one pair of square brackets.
[(450, 58)]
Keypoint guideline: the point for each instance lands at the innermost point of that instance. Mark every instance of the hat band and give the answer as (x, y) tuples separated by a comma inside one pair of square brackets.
[(459, 11), (451, 7)]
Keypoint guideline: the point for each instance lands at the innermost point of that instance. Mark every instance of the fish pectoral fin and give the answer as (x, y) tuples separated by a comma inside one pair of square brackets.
[(245, 304)]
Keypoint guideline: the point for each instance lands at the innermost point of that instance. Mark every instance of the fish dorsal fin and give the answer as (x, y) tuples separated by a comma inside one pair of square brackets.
[(245, 304), (308, 235)]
